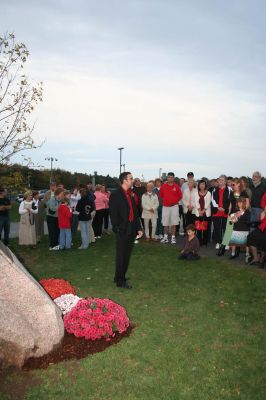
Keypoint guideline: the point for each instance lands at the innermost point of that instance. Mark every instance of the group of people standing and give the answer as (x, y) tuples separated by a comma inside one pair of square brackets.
[(226, 212), (64, 211)]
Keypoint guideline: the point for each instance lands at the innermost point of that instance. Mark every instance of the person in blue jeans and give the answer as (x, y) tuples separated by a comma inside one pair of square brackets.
[(5, 206), (84, 207)]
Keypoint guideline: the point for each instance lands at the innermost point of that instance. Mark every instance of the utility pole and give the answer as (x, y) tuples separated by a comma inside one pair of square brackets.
[(52, 159), (120, 162)]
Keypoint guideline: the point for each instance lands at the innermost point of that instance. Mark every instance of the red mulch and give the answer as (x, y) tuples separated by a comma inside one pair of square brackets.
[(73, 348)]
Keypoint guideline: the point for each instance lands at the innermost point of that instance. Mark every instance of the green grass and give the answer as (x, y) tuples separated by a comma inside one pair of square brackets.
[(200, 328)]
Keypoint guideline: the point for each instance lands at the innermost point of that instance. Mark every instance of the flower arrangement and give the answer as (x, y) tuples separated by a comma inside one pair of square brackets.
[(66, 302), (57, 287), (94, 318)]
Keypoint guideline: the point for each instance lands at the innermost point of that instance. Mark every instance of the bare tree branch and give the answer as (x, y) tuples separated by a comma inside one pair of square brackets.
[(17, 99)]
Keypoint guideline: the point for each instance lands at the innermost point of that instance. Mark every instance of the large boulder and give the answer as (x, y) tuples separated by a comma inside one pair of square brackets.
[(31, 323)]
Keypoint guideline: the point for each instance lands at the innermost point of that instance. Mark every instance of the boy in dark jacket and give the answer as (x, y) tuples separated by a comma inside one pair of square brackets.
[(191, 245), (84, 207)]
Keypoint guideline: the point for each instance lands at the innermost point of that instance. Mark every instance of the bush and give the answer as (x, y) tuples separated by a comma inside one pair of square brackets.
[(95, 318), (57, 287)]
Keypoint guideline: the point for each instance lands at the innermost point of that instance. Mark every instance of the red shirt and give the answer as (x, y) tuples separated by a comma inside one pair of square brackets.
[(64, 217), (262, 225), (220, 204), (131, 211), (170, 194)]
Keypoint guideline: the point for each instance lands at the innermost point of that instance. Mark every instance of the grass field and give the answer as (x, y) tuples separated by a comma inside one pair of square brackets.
[(200, 328)]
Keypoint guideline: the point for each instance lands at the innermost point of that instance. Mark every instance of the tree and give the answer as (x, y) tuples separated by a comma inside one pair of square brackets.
[(17, 99)]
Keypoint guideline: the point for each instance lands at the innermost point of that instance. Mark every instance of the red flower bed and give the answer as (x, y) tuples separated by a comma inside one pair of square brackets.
[(94, 318), (57, 287)]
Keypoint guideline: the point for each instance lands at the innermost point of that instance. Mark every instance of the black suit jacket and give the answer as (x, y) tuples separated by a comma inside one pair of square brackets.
[(119, 212), (227, 200)]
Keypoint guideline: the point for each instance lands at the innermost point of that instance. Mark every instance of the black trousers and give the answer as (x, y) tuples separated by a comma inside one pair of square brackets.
[(219, 225), (189, 218), (74, 224), (53, 230), (124, 247), (5, 225), (106, 218), (97, 222)]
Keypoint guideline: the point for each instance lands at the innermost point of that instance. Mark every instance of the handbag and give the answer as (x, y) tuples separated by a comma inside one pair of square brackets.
[(201, 225)]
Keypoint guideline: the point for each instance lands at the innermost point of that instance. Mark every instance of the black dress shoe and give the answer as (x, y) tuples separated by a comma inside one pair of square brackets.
[(221, 251), (254, 263), (126, 279), (233, 256), (124, 285)]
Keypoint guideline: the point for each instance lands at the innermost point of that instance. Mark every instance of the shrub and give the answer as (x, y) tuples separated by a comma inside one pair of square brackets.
[(95, 318), (57, 287)]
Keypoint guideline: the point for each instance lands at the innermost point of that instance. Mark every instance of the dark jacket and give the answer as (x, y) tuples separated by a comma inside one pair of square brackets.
[(257, 193), (227, 199), (85, 206), (119, 212), (243, 223)]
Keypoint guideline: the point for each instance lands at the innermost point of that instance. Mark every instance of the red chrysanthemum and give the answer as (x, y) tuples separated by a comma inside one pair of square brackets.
[(57, 287), (95, 318)]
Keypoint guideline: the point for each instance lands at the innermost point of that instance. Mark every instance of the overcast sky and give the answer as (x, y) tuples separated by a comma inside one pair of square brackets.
[(181, 85)]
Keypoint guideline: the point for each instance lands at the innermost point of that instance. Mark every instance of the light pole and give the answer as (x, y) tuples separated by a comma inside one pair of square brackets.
[(94, 179), (120, 162), (52, 159)]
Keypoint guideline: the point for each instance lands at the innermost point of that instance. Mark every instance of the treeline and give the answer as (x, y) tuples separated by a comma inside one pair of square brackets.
[(17, 178)]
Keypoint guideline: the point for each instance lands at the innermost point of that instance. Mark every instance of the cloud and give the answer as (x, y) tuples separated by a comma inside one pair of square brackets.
[(173, 83)]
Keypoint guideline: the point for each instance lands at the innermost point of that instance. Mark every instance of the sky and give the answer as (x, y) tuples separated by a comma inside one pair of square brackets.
[(180, 85)]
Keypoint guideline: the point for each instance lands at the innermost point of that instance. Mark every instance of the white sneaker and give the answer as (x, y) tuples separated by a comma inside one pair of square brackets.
[(227, 247), (217, 246), (160, 237), (173, 240), (164, 239), (136, 241), (55, 248)]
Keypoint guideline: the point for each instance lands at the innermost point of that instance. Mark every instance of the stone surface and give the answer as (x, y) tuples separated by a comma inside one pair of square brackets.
[(31, 324)]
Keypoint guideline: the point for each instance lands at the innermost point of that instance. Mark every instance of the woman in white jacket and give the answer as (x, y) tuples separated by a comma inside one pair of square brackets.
[(203, 210), (150, 204), (189, 203), (27, 210)]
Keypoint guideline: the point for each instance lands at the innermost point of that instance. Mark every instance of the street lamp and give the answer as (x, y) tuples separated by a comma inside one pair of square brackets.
[(52, 159), (120, 163)]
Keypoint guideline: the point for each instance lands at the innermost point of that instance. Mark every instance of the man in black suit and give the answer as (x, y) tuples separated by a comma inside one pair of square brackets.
[(126, 224)]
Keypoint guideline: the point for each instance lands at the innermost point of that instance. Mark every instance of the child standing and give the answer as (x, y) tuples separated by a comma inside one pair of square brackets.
[(84, 207), (64, 223), (191, 245)]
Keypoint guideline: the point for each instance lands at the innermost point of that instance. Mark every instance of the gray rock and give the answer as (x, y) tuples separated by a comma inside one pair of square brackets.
[(31, 323)]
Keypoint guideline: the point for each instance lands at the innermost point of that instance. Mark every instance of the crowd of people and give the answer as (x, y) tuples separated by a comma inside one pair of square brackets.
[(223, 211)]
